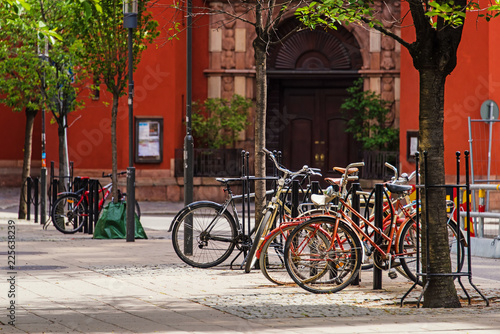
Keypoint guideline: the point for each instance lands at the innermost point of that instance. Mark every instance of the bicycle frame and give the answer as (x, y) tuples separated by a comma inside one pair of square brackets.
[(85, 195), (393, 236)]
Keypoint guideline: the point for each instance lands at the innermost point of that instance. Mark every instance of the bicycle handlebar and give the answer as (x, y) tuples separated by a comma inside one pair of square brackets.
[(403, 178), (111, 174), (304, 169)]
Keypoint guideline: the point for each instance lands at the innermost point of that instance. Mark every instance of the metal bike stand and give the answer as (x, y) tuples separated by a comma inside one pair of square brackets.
[(246, 180), (355, 203), (245, 209), (428, 275)]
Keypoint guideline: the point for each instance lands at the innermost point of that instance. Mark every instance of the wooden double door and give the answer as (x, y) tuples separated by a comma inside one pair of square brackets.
[(314, 129)]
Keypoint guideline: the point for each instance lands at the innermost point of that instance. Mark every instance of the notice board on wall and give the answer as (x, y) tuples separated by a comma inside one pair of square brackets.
[(148, 139)]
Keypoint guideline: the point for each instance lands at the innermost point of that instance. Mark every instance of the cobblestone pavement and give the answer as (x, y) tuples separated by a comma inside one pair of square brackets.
[(75, 284)]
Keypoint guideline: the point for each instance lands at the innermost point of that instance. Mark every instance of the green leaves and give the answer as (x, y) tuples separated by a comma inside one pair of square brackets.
[(368, 122), (331, 13), (217, 122), (450, 13)]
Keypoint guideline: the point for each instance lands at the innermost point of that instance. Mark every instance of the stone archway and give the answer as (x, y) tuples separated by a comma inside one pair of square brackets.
[(309, 72)]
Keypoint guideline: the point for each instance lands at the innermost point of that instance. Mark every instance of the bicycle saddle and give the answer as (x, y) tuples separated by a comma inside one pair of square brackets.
[(342, 170), (227, 180), (322, 200), (398, 188), (333, 180)]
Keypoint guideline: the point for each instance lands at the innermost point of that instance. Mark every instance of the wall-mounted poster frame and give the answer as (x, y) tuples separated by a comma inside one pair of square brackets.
[(411, 144), (148, 139)]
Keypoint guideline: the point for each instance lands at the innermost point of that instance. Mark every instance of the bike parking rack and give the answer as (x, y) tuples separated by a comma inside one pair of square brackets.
[(429, 275), (32, 191), (92, 186), (246, 195), (246, 180), (54, 182)]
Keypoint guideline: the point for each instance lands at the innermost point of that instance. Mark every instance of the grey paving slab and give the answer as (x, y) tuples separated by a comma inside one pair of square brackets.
[(72, 283)]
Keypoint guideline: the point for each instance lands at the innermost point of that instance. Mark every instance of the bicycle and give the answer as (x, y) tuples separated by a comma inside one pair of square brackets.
[(205, 233), (70, 211), (403, 209), (271, 253), (272, 209), (326, 267)]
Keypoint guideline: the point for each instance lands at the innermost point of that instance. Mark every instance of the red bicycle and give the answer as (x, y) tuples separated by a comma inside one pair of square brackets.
[(70, 211)]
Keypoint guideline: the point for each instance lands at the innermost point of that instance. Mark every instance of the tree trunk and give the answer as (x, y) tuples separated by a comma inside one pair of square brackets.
[(441, 291), (114, 155), (63, 157), (260, 125), (28, 141)]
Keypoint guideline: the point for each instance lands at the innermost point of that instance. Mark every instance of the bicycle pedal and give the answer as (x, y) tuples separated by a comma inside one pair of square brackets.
[(392, 274)]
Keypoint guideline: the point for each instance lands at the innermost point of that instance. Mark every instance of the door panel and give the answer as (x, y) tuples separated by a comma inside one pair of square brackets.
[(314, 129)]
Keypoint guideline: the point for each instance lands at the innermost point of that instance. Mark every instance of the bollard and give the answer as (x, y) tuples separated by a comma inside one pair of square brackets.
[(379, 193), (90, 209), (244, 184), (315, 187), (55, 187), (35, 195), (29, 182), (295, 198), (97, 210), (356, 207), (130, 204)]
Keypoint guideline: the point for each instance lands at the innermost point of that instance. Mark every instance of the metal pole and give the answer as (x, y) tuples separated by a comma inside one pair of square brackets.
[(130, 169), (43, 176), (379, 193), (43, 172), (188, 140), (474, 207), (492, 117), (355, 203)]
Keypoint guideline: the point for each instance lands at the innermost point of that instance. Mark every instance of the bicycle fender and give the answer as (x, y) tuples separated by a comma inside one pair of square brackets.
[(188, 208), (348, 226)]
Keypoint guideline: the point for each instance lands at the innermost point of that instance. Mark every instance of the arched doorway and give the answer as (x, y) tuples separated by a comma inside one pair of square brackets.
[(308, 75)]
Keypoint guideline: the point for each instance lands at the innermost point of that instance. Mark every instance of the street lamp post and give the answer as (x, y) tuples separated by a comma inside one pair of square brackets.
[(130, 22), (44, 56)]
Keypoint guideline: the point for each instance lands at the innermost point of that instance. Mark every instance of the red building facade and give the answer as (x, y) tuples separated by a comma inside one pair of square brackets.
[(307, 76)]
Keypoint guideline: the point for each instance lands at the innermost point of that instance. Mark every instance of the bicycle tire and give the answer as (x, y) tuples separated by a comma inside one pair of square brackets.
[(407, 241), (207, 248), (321, 267), (66, 217), (272, 256), (264, 225)]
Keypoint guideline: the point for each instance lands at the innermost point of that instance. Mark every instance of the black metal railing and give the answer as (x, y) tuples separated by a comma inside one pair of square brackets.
[(375, 164), (211, 162)]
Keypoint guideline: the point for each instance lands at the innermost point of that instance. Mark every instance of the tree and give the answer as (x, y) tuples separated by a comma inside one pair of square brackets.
[(62, 73), (265, 16), (25, 74), (438, 29), (18, 75), (106, 51)]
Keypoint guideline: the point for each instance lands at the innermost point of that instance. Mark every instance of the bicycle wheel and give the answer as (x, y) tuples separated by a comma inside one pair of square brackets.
[(264, 227), (408, 244), (69, 213), (318, 266), (137, 208), (204, 237), (272, 256)]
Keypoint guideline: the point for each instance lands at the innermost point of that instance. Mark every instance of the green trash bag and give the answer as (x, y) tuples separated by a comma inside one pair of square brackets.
[(112, 223)]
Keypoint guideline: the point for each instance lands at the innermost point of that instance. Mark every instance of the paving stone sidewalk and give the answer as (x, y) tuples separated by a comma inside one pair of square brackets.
[(75, 284)]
